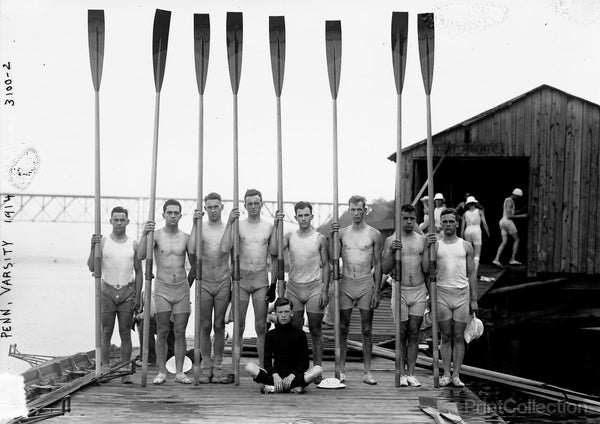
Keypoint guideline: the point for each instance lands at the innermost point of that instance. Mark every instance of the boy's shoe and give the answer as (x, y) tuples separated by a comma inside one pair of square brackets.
[(412, 381), (403, 381), (267, 389), (445, 381)]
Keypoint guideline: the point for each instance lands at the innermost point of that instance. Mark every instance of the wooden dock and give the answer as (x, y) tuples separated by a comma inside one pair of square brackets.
[(114, 402)]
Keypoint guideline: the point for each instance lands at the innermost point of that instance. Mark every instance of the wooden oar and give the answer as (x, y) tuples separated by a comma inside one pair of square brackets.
[(399, 38), (333, 47), (425, 30), (160, 39), (234, 59), (277, 42), (201, 49), (96, 48)]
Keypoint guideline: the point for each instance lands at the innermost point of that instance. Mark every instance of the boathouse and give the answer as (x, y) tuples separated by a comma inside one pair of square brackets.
[(546, 142)]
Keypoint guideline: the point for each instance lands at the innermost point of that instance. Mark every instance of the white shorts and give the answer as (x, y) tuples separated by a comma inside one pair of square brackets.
[(473, 234)]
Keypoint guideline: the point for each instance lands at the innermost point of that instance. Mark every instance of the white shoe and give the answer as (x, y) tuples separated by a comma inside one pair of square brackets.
[(445, 380), (457, 383), (342, 377), (412, 381), (403, 381), (267, 389)]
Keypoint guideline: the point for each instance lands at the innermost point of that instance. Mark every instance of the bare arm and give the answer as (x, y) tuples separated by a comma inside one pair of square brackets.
[(143, 243), (191, 244), (377, 268), (387, 256), (484, 223), (139, 277), (227, 239), (96, 238), (323, 250), (472, 275)]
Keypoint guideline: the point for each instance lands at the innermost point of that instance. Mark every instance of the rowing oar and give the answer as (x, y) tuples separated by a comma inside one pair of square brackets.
[(399, 38), (426, 44), (333, 47), (277, 42), (160, 38), (201, 49), (234, 58), (96, 47)]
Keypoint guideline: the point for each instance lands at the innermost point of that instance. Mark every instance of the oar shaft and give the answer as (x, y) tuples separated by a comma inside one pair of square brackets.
[(432, 256), (237, 336), (150, 238), (97, 230), (397, 255), (280, 259), (198, 264), (336, 250)]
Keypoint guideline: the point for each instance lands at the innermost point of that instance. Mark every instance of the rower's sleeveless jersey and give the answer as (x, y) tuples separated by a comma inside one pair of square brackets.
[(472, 217), (117, 261), (304, 250), (452, 264)]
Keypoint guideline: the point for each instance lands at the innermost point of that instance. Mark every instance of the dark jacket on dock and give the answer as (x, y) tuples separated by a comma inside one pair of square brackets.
[(286, 351)]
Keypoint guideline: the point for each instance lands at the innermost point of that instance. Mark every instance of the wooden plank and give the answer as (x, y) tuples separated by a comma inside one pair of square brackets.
[(576, 157), (584, 198), (518, 127), (556, 142), (218, 403), (526, 136), (568, 185), (537, 164), (593, 254)]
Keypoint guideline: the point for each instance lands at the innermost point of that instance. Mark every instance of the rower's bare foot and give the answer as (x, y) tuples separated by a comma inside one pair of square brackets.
[(497, 263)]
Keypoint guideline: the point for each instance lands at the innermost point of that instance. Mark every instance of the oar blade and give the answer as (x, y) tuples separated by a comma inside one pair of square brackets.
[(234, 48), (277, 43), (96, 45), (399, 39), (201, 48), (333, 48), (425, 30), (160, 40)]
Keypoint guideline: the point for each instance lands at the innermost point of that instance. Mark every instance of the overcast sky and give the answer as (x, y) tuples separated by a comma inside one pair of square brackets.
[(485, 53)]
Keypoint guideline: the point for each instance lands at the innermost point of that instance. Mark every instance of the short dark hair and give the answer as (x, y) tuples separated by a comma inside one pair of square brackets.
[(119, 209), (252, 192), (356, 199), (282, 301), (213, 196), (407, 207), (171, 202), (301, 205), (448, 211)]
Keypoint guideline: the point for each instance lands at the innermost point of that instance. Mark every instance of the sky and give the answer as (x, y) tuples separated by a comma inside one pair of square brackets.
[(486, 52)]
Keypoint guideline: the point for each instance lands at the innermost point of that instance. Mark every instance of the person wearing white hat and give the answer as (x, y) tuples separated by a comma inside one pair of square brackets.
[(507, 226), (440, 205), (473, 218)]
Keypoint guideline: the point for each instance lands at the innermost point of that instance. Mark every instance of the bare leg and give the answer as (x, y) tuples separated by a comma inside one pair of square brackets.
[(298, 319), (206, 326), (261, 308), (403, 337), (180, 322), (515, 236), (446, 347), (501, 247), (414, 326), (345, 315), (458, 353), (219, 327), (316, 333), (108, 325), (476, 256), (366, 322), (125, 319), (163, 324)]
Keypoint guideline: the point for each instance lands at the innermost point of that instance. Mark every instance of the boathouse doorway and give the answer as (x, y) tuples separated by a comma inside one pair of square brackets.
[(490, 180)]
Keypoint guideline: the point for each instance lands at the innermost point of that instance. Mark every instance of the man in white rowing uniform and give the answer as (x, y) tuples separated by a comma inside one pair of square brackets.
[(361, 247), (255, 235), (121, 284), (456, 294), (171, 288), (308, 285), (507, 226), (414, 288), (216, 288)]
